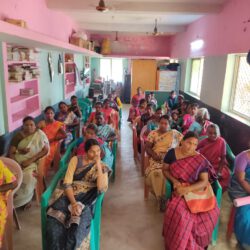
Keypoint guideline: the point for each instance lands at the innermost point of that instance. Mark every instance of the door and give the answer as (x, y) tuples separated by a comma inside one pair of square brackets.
[(143, 75)]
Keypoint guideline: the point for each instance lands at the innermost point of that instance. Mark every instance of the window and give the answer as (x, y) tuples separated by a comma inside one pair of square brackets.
[(240, 100), (112, 69), (196, 76)]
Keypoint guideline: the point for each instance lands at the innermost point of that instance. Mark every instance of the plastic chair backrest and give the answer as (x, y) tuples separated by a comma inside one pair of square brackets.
[(16, 169), (114, 152), (230, 158)]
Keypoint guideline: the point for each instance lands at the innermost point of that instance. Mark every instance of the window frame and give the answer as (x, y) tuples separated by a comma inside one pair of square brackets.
[(111, 66), (191, 73), (233, 88)]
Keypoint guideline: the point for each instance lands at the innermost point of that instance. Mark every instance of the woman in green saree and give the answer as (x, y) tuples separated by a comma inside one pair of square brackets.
[(27, 147)]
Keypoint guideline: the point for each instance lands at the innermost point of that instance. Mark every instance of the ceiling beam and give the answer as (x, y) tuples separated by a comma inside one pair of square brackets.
[(170, 29), (65, 5)]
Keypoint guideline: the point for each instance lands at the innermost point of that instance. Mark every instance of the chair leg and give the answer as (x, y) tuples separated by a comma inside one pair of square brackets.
[(16, 219), (230, 224)]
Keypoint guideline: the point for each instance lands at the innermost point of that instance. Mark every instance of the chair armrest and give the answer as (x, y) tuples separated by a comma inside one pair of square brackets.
[(217, 192), (169, 189)]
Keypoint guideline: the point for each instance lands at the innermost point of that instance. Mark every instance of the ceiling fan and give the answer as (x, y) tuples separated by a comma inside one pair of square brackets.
[(155, 32), (102, 6)]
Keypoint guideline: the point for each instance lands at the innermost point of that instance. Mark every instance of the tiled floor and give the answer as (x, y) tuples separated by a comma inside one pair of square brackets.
[(128, 222)]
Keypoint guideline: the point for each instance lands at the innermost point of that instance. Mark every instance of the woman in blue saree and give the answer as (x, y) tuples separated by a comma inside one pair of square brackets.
[(240, 187), (71, 207)]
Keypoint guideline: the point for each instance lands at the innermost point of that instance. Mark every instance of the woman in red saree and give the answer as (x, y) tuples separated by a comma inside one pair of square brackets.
[(214, 149), (55, 132), (137, 97), (188, 171)]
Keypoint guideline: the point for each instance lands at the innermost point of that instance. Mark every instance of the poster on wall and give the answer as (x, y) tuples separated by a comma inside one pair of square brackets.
[(167, 80)]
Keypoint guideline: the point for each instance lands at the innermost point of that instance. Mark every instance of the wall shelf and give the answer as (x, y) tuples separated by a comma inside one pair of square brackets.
[(18, 106), (20, 98), (13, 34)]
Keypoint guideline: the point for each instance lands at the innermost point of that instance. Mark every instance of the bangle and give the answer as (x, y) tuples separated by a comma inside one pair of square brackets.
[(74, 204)]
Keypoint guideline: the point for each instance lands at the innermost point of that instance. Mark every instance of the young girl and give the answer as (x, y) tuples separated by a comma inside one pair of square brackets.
[(189, 118), (7, 182)]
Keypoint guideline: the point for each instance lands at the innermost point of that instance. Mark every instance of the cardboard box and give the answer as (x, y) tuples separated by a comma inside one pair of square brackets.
[(77, 41), (17, 22)]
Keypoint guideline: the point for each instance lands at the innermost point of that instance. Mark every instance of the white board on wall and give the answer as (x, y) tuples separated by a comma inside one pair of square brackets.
[(167, 80)]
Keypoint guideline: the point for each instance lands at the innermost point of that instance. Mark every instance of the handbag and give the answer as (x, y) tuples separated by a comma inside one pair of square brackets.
[(201, 201)]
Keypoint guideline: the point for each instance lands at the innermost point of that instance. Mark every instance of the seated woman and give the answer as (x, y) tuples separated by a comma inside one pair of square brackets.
[(240, 187), (137, 97), (214, 149), (188, 171), (74, 106), (27, 147), (134, 112), (189, 118), (69, 119), (157, 144), (98, 108), (201, 123), (116, 99), (71, 210), (112, 103), (153, 124), (7, 182), (104, 131), (90, 133), (55, 132), (172, 100), (108, 112)]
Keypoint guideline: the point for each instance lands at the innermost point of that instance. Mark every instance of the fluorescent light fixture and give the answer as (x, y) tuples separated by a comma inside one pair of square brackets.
[(197, 44)]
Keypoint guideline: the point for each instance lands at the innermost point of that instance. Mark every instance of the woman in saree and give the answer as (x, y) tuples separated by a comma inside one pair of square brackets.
[(201, 123), (27, 147), (70, 120), (70, 212), (189, 118), (157, 144), (7, 182), (55, 132), (137, 97), (240, 187), (188, 171), (108, 112), (214, 149)]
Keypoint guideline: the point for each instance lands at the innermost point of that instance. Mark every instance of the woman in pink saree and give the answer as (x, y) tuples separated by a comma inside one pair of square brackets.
[(214, 149)]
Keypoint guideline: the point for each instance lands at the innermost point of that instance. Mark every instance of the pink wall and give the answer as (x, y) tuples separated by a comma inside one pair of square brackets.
[(222, 33), (38, 17), (132, 45)]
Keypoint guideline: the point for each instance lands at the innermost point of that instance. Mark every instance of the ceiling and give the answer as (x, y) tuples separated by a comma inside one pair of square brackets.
[(136, 16)]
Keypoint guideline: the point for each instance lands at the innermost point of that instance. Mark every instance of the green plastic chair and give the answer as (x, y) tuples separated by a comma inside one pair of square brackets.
[(120, 118), (218, 193), (96, 221), (114, 151), (85, 109)]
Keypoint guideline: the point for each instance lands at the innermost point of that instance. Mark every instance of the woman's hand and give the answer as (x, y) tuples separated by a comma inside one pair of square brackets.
[(76, 209), (156, 157), (181, 190), (26, 163), (24, 151), (176, 184)]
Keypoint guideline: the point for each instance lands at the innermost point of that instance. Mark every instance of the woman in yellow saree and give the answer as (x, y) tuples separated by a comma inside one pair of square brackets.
[(157, 145), (27, 147), (7, 182), (55, 132)]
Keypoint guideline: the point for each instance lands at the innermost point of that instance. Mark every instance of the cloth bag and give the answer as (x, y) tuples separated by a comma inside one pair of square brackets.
[(201, 201)]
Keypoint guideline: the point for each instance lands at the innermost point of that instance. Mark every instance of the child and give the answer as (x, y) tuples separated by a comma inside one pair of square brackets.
[(98, 108), (174, 124), (172, 100), (90, 133), (7, 182), (133, 112), (116, 99), (151, 99), (142, 106), (74, 106), (189, 118)]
